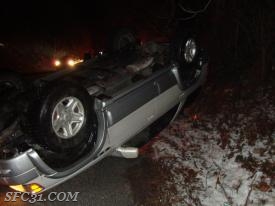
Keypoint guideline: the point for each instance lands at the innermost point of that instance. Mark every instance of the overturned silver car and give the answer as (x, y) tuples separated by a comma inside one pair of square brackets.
[(57, 125)]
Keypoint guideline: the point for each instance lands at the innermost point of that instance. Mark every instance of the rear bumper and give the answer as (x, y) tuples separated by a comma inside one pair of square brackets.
[(28, 168)]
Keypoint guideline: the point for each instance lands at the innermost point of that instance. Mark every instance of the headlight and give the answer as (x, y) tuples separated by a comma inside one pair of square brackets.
[(57, 63), (71, 62), (190, 50), (68, 62)]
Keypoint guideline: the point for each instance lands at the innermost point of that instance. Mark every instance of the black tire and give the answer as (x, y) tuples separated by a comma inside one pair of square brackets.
[(123, 39), (41, 119), (187, 69)]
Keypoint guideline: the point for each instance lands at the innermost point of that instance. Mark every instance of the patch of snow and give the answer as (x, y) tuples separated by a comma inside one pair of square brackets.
[(218, 179)]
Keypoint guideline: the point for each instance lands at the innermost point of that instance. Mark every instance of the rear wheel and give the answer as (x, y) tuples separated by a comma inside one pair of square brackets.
[(185, 51)]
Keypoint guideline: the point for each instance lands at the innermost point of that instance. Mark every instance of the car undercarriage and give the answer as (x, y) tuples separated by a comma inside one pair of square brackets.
[(55, 126)]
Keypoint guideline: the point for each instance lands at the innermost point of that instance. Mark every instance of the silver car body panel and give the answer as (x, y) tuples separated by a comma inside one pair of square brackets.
[(114, 128), (142, 117)]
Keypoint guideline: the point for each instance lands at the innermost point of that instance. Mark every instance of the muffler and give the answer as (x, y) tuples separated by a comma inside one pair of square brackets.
[(126, 152)]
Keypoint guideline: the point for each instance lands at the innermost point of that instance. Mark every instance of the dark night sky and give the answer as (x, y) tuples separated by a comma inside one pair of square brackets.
[(57, 17), (34, 20), (51, 15), (56, 22), (41, 27), (44, 15), (36, 27)]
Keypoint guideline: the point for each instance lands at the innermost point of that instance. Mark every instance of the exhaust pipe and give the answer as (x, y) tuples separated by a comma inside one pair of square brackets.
[(126, 152)]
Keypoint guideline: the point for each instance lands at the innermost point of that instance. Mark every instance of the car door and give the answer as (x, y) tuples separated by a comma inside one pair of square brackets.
[(132, 111), (168, 92)]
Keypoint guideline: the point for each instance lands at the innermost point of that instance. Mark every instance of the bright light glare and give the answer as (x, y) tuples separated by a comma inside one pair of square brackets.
[(57, 63), (71, 62), (19, 188), (35, 188)]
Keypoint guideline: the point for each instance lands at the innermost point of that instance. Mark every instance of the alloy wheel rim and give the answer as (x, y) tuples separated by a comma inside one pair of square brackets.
[(68, 117)]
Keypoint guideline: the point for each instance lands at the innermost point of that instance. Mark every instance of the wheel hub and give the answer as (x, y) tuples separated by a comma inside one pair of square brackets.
[(68, 117)]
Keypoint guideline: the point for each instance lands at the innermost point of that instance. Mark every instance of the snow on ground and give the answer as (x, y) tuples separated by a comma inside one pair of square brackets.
[(220, 160)]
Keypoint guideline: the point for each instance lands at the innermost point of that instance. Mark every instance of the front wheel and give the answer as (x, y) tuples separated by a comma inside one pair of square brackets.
[(65, 120)]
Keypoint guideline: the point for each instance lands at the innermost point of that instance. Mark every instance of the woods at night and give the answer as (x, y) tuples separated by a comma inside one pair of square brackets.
[(149, 103)]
